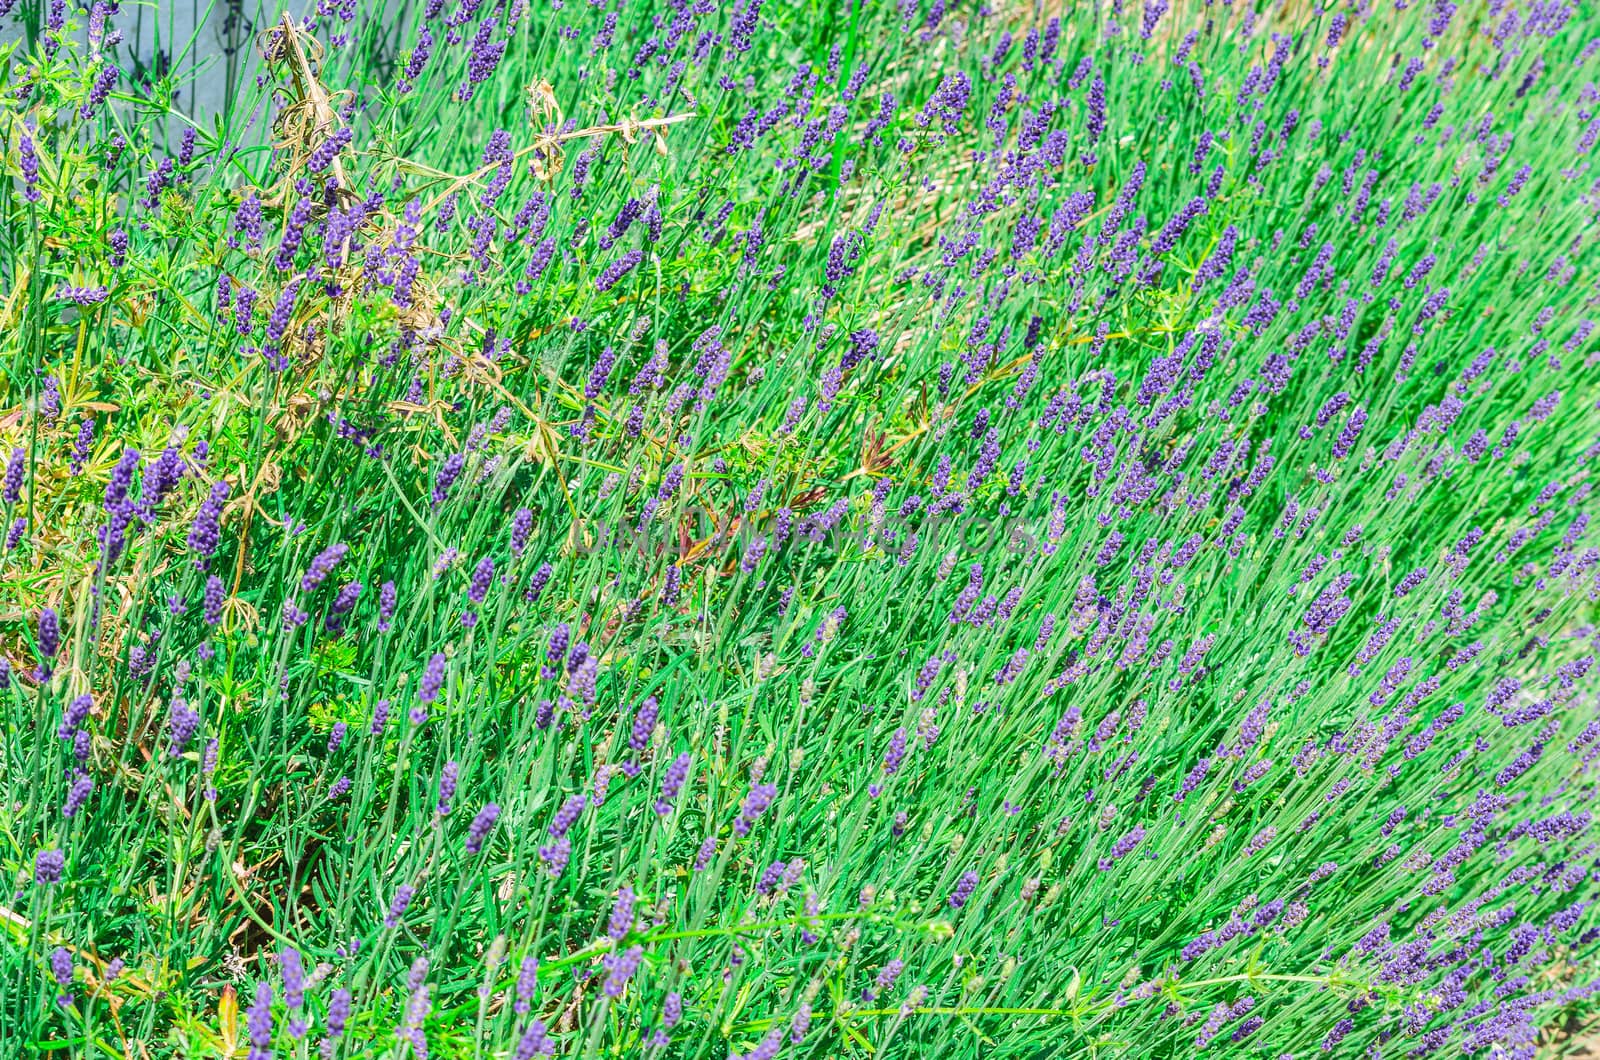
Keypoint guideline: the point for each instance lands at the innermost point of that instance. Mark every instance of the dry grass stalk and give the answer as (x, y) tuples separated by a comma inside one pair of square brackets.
[(309, 117)]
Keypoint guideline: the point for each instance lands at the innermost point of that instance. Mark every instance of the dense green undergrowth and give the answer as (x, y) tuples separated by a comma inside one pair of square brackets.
[(682, 529)]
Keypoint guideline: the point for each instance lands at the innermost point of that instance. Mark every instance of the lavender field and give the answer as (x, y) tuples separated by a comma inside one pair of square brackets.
[(831, 529)]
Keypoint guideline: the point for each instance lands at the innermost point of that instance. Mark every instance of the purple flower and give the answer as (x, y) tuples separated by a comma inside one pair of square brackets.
[(755, 803), (416, 61), (182, 721), (535, 1041), (1411, 581), (417, 1008), (78, 794), (617, 270), (447, 786), (215, 596), (644, 724), (432, 679), (16, 471), (949, 102), (205, 532), (49, 640), (1123, 847), (322, 565), (770, 877), (482, 578), (567, 815), (672, 783), (82, 446), (258, 1020), (294, 232), (387, 598), (481, 826), (159, 480), (447, 477), (324, 153), (247, 223), (527, 983), (766, 1048), (244, 311), (1347, 436), (888, 975), (74, 716), (521, 530), (380, 717), (30, 169), (398, 905), (61, 968), (800, 1024), (48, 865), (620, 968), (1193, 780), (896, 752), (338, 1013), (536, 584), (741, 28), (964, 888), (344, 601), (621, 921), (486, 53), (843, 255), (294, 990), (208, 766), (556, 855), (1336, 29)]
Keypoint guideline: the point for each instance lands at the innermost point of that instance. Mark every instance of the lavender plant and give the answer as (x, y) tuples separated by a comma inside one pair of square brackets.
[(699, 530)]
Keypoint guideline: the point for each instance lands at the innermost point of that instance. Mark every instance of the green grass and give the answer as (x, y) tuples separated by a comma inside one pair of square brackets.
[(1147, 631)]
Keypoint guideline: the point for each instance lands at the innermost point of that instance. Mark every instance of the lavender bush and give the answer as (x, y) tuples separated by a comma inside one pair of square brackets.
[(716, 529)]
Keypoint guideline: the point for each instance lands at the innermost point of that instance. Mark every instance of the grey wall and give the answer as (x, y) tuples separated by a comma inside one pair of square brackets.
[(193, 36)]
